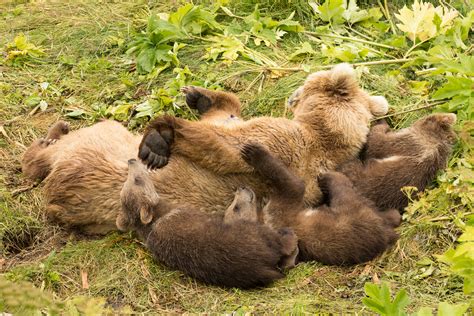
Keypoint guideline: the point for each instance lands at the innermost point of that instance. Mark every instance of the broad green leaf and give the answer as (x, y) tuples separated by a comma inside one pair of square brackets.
[(464, 65), (468, 235), (146, 60), (330, 11), (401, 301), (446, 309), (193, 19), (454, 87), (374, 306)]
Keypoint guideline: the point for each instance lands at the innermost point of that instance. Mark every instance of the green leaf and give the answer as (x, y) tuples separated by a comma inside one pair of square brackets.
[(146, 60), (401, 301), (330, 11), (424, 311), (454, 87), (374, 306), (446, 309), (464, 65), (468, 235), (193, 19), (352, 14), (75, 113), (304, 49), (32, 100)]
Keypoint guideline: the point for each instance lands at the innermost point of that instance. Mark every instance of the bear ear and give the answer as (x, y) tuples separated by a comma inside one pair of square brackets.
[(378, 105), (145, 215), (449, 119), (121, 222)]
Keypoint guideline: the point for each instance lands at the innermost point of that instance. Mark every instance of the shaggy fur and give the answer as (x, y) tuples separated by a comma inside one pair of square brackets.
[(346, 230), (329, 128), (233, 251), (86, 168), (408, 157)]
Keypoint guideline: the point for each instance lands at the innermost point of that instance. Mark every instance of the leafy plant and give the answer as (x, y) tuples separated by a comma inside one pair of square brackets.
[(268, 30), (459, 88), (379, 300), (160, 101), (340, 11), (21, 51), (158, 46), (461, 259)]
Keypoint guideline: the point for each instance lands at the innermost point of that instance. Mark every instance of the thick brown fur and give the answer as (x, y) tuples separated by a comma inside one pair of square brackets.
[(36, 162), (330, 126), (396, 159), (86, 168), (233, 250), (348, 229)]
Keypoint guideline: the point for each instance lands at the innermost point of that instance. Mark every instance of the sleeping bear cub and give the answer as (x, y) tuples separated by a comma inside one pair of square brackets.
[(408, 157), (232, 250), (346, 229)]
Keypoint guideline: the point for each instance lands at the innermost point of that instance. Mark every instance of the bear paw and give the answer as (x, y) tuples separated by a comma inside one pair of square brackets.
[(253, 153), (154, 150), (196, 99)]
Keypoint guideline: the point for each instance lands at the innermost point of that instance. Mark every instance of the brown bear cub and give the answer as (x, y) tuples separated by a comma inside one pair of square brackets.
[(346, 230), (231, 250), (409, 157)]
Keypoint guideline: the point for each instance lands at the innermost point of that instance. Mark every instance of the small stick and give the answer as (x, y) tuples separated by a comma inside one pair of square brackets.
[(24, 189), (353, 39), (411, 110)]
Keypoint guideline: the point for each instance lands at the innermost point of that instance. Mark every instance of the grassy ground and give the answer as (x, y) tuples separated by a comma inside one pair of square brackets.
[(87, 70)]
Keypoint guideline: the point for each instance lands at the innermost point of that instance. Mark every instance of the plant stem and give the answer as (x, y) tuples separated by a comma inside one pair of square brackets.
[(430, 105), (389, 18), (353, 39), (413, 47), (296, 69)]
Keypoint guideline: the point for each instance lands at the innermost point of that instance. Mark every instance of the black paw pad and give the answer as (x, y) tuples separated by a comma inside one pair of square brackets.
[(154, 150), (196, 99)]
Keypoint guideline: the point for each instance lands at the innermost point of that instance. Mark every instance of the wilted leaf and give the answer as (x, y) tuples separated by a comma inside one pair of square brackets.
[(418, 22), (424, 21)]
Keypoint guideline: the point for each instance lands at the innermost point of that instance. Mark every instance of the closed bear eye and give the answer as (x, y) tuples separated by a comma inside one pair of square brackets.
[(139, 181)]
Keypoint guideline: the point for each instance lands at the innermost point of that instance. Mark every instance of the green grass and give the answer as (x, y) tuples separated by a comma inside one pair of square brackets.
[(87, 69)]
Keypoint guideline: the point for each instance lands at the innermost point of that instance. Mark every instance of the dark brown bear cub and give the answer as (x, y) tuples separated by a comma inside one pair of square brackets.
[(233, 250), (409, 157), (346, 230)]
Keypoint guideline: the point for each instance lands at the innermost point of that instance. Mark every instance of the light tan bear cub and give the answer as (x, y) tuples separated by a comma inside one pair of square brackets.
[(231, 250), (330, 126)]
